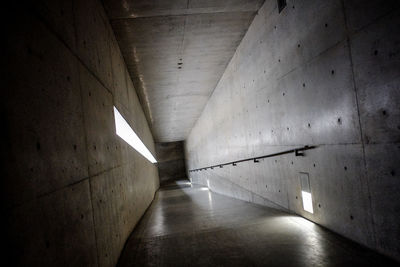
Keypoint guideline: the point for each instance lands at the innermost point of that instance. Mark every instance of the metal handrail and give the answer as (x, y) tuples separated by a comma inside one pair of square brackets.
[(296, 151)]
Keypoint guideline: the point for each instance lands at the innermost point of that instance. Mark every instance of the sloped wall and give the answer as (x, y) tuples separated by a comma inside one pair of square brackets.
[(73, 190), (322, 73)]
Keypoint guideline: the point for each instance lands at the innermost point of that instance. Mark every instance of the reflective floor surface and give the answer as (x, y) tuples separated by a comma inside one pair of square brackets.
[(188, 225)]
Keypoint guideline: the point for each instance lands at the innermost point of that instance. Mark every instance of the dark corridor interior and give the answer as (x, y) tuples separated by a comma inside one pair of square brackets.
[(201, 133)]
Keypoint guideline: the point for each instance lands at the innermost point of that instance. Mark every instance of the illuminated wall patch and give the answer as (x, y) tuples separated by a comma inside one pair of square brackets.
[(125, 131), (306, 192)]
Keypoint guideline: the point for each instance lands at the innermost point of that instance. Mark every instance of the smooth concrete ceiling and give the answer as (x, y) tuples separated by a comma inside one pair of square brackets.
[(176, 51)]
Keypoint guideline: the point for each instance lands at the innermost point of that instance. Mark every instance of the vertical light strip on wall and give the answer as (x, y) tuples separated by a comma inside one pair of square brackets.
[(307, 201), (306, 192), (125, 131)]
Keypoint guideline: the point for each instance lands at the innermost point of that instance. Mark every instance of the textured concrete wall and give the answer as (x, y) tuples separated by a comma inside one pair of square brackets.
[(322, 73), (171, 161), (73, 190)]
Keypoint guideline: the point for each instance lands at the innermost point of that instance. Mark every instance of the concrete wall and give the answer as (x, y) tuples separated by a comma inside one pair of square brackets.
[(73, 190), (170, 161), (322, 73)]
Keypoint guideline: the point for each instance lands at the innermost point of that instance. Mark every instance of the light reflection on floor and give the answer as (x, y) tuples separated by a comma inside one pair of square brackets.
[(189, 225)]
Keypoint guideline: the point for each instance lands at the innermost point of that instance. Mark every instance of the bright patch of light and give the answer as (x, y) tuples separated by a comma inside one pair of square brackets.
[(307, 201), (125, 132), (208, 183), (204, 188), (210, 200)]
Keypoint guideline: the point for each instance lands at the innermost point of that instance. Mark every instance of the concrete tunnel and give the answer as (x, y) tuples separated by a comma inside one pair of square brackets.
[(201, 133)]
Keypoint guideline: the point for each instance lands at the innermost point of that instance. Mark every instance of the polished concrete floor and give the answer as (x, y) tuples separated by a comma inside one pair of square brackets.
[(188, 225)]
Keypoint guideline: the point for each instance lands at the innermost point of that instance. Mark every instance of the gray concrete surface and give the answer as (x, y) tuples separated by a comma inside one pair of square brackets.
[(322, 73), (72, 190), (170, 162), (188, 225), (176, 51)]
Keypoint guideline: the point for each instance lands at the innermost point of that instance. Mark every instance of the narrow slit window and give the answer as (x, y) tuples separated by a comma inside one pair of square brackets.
[(307, 201), (306, 192), (125, 131)]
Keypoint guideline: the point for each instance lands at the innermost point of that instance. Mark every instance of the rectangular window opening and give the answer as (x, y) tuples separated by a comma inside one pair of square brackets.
[(307, 202), (125, 131), (306, 192), (281, 5)]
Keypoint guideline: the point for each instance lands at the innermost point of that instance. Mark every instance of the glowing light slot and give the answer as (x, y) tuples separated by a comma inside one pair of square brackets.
[(307, 202), (124, 131)]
